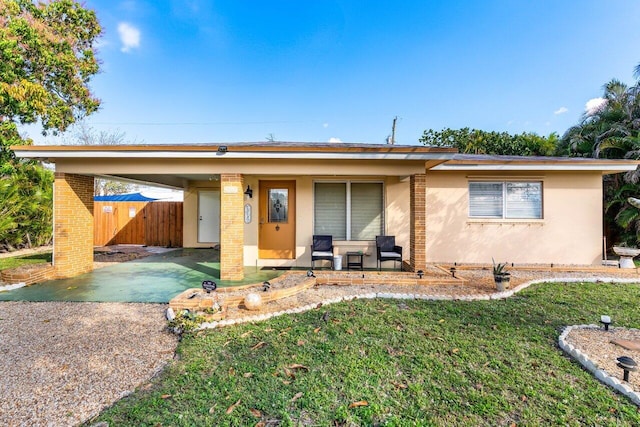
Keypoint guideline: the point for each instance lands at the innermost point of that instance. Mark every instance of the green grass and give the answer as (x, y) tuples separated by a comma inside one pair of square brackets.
[(413, 362), (12, 262)]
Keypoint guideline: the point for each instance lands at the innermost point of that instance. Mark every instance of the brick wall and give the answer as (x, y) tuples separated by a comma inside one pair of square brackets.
[(231, 227), (72, 224), (28, 274), (418, 238)]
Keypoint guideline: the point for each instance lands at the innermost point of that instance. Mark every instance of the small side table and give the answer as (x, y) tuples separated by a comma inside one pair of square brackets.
[(355, 260)]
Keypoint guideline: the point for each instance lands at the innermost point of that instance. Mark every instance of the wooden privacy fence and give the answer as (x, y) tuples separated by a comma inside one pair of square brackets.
[(137, 223)]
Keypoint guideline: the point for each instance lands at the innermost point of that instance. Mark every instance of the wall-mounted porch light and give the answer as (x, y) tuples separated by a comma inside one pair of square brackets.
[(248, 192)]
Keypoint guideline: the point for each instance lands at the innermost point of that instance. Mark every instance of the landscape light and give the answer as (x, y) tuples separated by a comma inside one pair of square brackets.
[(627, 364), (209, 285)]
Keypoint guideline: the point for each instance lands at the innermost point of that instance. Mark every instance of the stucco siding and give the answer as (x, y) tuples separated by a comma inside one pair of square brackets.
[(190, 213), (396, 197), (570, 231)]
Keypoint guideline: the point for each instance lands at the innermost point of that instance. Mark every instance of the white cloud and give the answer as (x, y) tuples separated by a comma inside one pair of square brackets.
[(129, 36), (594, 105), (333, 139), (561, 110), (325, 125)]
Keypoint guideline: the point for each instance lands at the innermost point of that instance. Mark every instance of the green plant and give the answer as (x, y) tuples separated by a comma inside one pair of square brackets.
[(213, 310), (185, 321), (499, 269)]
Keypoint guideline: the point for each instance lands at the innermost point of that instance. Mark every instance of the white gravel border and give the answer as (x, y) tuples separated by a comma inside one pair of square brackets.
[(494, 296), (591, 366), (12, 287)]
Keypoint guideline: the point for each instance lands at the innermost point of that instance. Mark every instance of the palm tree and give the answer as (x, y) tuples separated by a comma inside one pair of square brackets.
[(613, 131)]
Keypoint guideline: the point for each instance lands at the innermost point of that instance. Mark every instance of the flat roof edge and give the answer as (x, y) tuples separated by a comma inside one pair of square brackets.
[(309, 148)]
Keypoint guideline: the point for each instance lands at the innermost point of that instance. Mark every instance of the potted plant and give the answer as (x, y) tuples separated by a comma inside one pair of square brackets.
[(500, 276)]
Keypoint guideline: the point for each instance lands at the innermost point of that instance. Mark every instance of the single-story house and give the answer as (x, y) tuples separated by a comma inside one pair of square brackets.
[(263, 202)]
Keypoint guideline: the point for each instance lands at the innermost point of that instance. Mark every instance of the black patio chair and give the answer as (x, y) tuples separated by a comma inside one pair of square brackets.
[(322, 248), (387, 250)]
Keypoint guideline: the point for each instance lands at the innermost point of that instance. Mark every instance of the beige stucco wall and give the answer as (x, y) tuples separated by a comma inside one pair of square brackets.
[(190, 213), (569, 233), (396, 220)]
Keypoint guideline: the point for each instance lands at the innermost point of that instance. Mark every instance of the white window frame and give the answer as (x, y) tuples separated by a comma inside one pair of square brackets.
[(348, 207), (504, 198)]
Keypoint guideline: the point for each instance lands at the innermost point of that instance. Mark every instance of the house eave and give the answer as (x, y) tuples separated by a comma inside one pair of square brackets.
[(53, 155), (605, 169), (240, 151)]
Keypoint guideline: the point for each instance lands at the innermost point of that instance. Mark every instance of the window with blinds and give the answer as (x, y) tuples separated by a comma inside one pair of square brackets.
[(330, 209), (508, 200), (349, 210), (366, 211)]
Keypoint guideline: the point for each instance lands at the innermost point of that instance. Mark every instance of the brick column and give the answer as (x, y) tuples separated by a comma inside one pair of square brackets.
[(418, 238), (231, 227), (72, 224)]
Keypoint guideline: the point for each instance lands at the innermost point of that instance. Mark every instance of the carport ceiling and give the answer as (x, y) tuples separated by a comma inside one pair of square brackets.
[(176, 181)]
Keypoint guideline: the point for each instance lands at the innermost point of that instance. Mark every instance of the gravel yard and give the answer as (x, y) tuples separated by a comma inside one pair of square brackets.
[(597, 345), (61, 363)]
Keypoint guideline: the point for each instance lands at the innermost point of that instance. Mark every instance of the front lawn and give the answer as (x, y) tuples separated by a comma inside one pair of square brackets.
[(392, 362), (18, 261)]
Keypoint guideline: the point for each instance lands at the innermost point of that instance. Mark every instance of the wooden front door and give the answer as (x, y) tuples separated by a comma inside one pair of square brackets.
[(277, 229)]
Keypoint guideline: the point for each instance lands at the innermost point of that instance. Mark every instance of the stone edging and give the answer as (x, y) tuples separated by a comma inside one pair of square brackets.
[(170, 314), (28, 274), (592, 367)]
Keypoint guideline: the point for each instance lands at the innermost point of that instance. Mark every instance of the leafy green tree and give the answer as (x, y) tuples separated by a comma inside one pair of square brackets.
[(46, 61), (474, 141), (26, 212)]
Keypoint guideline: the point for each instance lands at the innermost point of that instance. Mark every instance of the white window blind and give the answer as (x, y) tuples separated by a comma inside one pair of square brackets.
[(330, 209), (509, 200), (524, 200), (485, 199), (349, 210), (366, 211)]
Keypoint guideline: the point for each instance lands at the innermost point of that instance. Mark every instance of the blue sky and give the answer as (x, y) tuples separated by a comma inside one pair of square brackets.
[(222, 71)]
